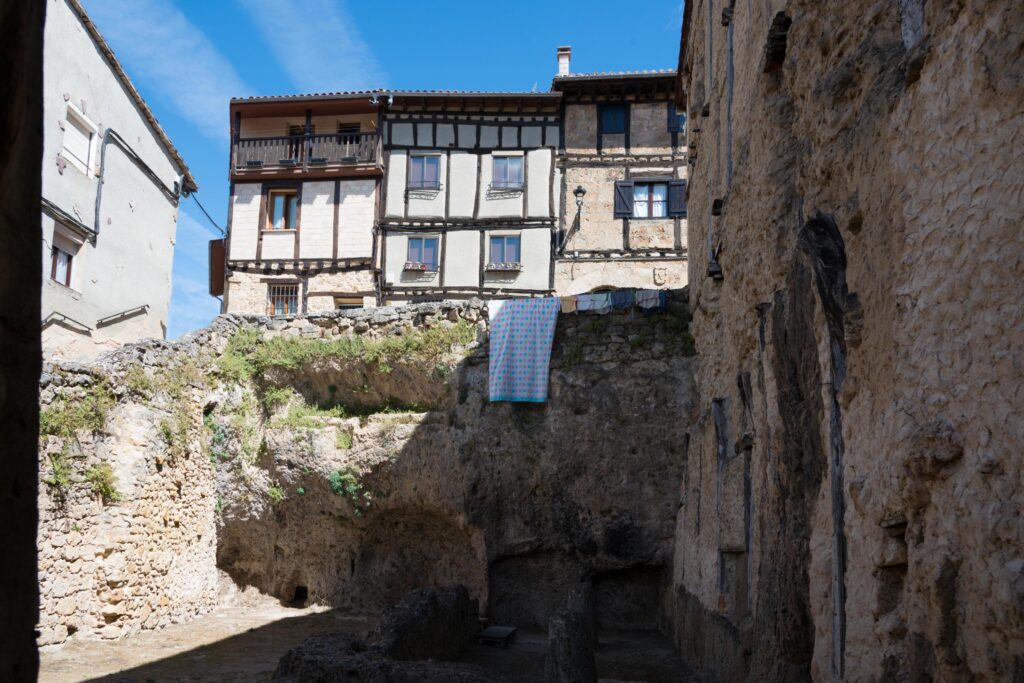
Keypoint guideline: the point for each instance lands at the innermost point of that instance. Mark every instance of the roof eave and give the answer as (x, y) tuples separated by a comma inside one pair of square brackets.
[(189, 183)]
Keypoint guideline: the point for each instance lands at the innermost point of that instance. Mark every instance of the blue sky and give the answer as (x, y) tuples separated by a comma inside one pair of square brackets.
[(188, 57)]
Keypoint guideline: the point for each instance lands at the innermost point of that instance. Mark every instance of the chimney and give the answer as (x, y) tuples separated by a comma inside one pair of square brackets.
[(564, 55)]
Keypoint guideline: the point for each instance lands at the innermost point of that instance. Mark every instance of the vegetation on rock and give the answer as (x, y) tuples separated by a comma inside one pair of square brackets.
[(104, 482), (65, 417)]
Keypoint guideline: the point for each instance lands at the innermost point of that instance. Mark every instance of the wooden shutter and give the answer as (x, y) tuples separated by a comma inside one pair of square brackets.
[(623, 198), (677, 198), (673, 120), (217, 267)]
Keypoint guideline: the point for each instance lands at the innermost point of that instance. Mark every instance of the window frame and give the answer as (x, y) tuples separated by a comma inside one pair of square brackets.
[(54, 251), (504, 237), (274, 192), (71, 116), (272, 295), (432, 267), (507, 184), (348, 303), (421, 184), (650, 184)]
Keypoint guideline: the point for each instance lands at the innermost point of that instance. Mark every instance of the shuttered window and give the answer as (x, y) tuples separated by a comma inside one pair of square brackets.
[(78, 139), (650, 199), (613, 118)]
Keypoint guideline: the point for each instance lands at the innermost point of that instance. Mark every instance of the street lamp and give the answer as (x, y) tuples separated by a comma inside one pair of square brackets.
[(578, 193)]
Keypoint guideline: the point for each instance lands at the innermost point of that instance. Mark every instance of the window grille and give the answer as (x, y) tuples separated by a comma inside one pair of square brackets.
[(283, 300)]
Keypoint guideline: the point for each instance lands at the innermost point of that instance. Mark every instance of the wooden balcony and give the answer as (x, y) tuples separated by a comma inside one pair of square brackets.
[(332, 154)]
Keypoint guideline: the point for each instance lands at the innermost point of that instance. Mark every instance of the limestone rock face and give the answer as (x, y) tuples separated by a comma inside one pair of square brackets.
[(851, 501), (428, 624)]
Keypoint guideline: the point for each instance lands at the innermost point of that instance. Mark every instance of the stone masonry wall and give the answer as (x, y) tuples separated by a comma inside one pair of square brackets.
[(852, 497)]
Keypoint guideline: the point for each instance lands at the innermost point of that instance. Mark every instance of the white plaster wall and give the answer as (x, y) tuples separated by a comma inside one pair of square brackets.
[(467, 135), (462, 184), (535, 245), (538, 179), (245, 219), (445, 135), (278, 244), (355, 218), (401, 134), (424, 203), (397, 161), (317, 237), (131, 262), (397, 250), (496, 203), (462, 259)]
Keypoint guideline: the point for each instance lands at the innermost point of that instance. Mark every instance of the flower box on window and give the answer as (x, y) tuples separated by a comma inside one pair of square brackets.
[(505, 266), (413, 265)]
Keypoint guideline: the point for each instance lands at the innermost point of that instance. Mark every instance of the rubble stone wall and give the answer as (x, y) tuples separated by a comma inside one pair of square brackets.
[(852, 497)]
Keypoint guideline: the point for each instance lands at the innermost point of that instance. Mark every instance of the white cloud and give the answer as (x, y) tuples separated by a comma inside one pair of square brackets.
[(161, 49), (317, 44)]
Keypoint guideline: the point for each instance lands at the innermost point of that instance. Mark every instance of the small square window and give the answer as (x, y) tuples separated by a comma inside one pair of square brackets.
[(508, 173), (613, 118), (283, 299), (348, 303), (422, 254), (504, 250), (425, 172), (284, 210)]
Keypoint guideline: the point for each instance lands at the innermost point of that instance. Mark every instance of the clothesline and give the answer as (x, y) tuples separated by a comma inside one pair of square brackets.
[(617, 300)]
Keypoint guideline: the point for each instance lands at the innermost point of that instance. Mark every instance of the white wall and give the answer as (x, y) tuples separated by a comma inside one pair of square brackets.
[(130, 264), (397, 247), (535, 245), (463, 184), (316, 223), (429, 203), (355, 218), (462, 259), (244, 230), (397, 160), (539, 183)]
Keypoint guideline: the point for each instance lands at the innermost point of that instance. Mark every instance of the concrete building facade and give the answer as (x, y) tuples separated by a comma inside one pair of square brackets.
[(112, 181)]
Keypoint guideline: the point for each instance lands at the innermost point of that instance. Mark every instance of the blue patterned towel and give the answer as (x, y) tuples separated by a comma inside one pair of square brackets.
[(522, 331)]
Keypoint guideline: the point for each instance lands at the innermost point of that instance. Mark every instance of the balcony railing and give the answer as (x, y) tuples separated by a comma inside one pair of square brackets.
[(299, 151)]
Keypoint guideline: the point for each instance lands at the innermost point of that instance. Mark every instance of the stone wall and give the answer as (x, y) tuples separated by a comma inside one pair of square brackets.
[(353, 456), (852, 496), (248, 290)]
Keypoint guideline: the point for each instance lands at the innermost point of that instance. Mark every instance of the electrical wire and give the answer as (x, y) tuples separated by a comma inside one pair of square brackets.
[(203, 209)]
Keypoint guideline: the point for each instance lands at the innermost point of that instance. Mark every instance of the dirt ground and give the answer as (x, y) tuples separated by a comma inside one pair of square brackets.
[(244, 643)]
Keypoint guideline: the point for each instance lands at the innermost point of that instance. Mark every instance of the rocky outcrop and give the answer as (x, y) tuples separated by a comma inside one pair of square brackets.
[(347, 459), (854, 212)]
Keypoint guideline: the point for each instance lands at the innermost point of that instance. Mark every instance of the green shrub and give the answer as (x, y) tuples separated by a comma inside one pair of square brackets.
[(104, 482), (275, 493), (343, 439), (346, 483), (277, 396), (304, 416), (60, 472), (138, 381), (66, 416)]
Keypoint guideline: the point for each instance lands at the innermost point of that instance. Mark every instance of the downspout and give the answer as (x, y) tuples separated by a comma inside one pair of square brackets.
[(110, 135)]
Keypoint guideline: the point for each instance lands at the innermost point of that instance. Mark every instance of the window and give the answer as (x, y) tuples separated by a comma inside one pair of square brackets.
[(283, 299), (348, 133), (347, 303), (613, 118), (508, 173), (424, 173), (650, 200), (60, 265), (422, 254), (504, 249), (78, 141), (297, 141), (284, 210)]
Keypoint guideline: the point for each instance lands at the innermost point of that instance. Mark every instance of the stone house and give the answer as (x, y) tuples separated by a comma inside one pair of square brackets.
[(305, 176), (470, 202), (622, 194), (111, 184)]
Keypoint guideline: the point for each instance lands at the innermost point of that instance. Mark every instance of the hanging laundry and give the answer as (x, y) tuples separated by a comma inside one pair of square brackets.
[(522, 331), (568, 304), (649, 298), (595, 303), (622, 299)]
